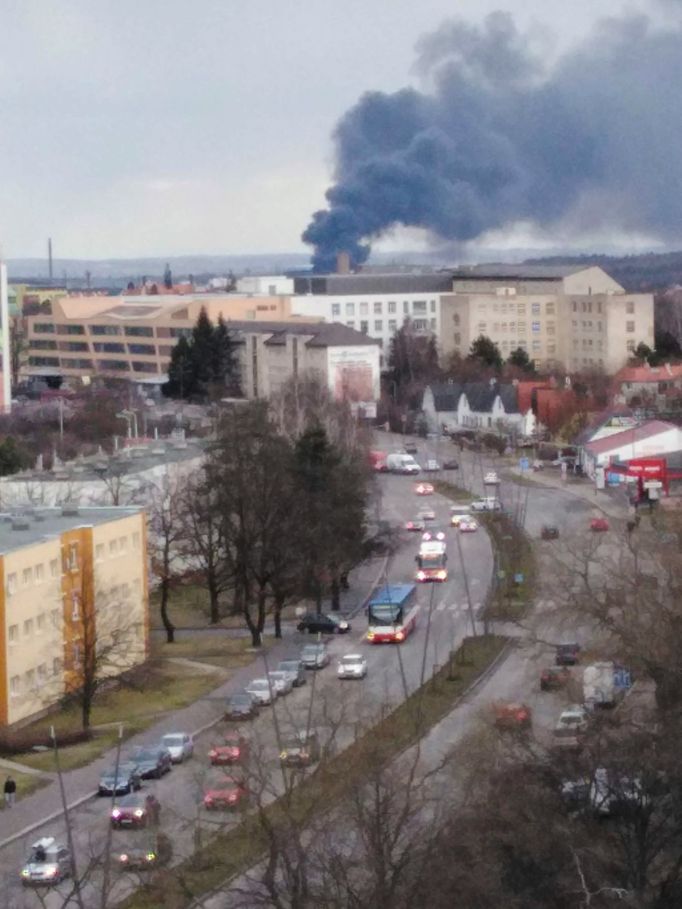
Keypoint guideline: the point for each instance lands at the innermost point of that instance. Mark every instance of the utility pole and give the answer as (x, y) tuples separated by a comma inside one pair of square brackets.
[(67, 821)]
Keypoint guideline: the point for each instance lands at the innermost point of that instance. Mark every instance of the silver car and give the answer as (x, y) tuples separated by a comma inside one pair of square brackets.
[(49, 862), (296, 670), (352, 666), (281, 682), (315, 656), (262, 691), (179, 744)]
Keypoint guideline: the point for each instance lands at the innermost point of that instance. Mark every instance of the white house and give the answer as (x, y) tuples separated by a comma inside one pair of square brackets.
[(455, 406), (653, 438)]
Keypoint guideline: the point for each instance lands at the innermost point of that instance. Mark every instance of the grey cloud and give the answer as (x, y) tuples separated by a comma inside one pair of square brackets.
[(593, 140)]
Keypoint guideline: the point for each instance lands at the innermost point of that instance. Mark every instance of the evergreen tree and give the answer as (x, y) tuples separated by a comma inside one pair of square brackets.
[(168, 278), (521, 360), (181, 374), (203, 363), (486, 352)]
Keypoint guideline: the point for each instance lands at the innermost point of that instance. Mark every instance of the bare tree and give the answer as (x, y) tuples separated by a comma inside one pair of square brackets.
[(166, 536)]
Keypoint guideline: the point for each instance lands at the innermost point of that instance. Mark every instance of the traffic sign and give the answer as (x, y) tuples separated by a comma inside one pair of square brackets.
[(622, 678), (524, 463)]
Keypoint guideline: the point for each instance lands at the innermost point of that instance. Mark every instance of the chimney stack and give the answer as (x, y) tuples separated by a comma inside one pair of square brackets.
[(343, 263)]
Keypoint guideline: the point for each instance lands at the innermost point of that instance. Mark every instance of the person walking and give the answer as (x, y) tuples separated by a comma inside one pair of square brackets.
[(10, 792)]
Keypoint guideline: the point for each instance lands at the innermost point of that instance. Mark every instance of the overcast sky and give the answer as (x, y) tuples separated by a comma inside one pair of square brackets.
[(162, 127)]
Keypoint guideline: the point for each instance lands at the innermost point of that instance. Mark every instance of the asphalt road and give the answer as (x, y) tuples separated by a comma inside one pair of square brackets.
[(335, 707)]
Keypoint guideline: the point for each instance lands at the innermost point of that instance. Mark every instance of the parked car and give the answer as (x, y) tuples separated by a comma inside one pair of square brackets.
[(570, 727), (141, 850), (599, 525), (241, 705), (48, 862), (424, 489), (234, 749), (315, 656), (300, 749), (450, 464), (415, 526), (567, 654), (554, 677), (431, 466), (467, 525), (281, 682), (296, 670), (180, 746), (139, 809), (317, 622), (410, 448), (352, 666), (511, 715), (225, 791), (119, 781), (152, 762), (549, 532), (491, 477), (262, 691)]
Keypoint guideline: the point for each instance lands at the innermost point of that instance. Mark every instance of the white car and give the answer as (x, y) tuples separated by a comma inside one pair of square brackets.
[(179, 744), (487, 504), (467, 525), (352, 666), (49, 862), (431, 466), (426, 514), (491, 477), (571, 721), (281, 681), (262, 691)]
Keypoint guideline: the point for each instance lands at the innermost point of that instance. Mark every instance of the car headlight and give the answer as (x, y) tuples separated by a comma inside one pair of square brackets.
[(343, 625), (25, 872), (283, 755), (116, 814), (150, 856), (139, 812), (123, 858)]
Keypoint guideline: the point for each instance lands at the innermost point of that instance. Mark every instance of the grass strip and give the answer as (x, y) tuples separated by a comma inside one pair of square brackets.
[(234, 851), (452, 491), (514, 557)]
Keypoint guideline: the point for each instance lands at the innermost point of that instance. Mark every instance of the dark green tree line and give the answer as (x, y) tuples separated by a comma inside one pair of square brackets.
[(205, 363)]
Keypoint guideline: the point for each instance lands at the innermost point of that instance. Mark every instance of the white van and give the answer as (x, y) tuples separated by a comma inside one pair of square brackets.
[(402, 463)]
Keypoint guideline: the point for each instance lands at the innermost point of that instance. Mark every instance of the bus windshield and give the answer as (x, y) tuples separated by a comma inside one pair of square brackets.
[(385, 614)]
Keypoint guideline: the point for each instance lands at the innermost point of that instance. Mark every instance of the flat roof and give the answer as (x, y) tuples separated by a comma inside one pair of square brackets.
[(28, 526)]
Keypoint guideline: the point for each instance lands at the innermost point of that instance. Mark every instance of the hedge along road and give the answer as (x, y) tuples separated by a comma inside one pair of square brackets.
[(180, 791)]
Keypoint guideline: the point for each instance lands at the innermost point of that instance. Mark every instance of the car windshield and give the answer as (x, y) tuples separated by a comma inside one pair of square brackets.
[(41, 854), (257, 684), (313, 649), (240, 699), (145, 755), (385, 613), (278, 674), (173, 741), (129, 800), (222, 782), (289, 666), (123, 770), (351, 659)]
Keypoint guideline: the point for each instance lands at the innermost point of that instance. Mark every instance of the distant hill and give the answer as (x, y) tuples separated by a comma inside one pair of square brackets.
[(637, 273)]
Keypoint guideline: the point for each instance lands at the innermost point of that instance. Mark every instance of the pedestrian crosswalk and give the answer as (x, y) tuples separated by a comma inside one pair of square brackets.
[(455, 607)]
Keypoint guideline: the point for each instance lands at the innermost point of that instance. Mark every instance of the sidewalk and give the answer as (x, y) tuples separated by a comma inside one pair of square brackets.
[(81, 784), (610, 501)]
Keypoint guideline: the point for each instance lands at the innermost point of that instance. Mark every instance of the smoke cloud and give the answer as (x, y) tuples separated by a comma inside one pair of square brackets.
[(591, 141)]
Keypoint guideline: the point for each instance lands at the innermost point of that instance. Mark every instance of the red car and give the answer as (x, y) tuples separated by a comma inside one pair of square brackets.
[(599, 524), (234, 750), (225, 791), (424, 489), (415, 526), (512, 716), (554, 677), (136, 810)]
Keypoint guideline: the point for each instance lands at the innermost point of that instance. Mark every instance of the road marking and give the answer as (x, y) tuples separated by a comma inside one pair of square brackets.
[(441, 606)]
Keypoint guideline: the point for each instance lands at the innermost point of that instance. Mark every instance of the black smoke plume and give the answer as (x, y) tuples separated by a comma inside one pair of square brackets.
[(594, 140)]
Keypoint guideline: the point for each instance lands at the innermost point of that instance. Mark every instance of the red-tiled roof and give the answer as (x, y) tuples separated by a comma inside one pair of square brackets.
[(649, 373), (628, 436)]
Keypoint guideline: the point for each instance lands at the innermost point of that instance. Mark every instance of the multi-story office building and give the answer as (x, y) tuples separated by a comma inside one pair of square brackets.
[(573, 317), (73, 588), (374, 304)]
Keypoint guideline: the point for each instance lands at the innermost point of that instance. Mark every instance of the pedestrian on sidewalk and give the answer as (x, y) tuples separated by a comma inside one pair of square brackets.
[(10, 792)]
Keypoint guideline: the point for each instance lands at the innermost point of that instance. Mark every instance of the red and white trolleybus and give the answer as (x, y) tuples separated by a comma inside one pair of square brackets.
[(392, 613)]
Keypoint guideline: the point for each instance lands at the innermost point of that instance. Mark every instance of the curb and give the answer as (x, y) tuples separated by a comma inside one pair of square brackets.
[(576, 495), (197, 732)]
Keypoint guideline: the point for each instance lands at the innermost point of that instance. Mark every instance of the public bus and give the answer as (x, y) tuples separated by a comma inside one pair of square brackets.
[(392, 613), (432, 559)]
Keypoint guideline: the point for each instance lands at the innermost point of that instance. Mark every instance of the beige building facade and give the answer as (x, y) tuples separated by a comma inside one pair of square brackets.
[(74, 588), (563, 317)]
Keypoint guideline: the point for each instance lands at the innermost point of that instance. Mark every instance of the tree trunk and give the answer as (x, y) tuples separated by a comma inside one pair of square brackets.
[(165, 618), (277, 615), (214, 605), (336, 594)]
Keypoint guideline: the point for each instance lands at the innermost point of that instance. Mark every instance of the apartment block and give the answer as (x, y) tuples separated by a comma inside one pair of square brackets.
[(73, 588), (562, 316)]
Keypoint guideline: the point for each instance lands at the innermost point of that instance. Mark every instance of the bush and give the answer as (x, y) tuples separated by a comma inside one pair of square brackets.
[(19, 741)]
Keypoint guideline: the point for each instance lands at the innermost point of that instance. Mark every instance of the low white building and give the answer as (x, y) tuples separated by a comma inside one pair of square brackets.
[(651, 439), (455, 406)]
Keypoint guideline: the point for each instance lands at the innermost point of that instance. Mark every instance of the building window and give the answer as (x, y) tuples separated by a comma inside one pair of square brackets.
[(482, 327), (351, 324), (350, 309), (99, 552), (70, 330), (363, 309), (15, 686), (551, 328), (75, 607), (535, 309), (536, 346), (42, 673), (56, 665), (73, 556), (521, 309), (549, 309), (523, 345), (496, 327), (113, 547), (122, 544), (392, 306), (433, 324), (433, 305), (181, 333), (535, 327), (378, 325), (40, 623), (406, 306), (39, 573), (30, 679), (522, 328), (28, 627), (419, 306), (136, 539), (504, 327), (11, 584), (13, 634), (378, 308), (76, 652), (512, 327), (27, 577), (458, 338), (420, 324), (630, 345), (629, 327), (455, 319), (54, 568), (336, 309), (364, 326), (43, 328), (551, 349), (142, 349), (139, 331), (105, 329), (392, 325)]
